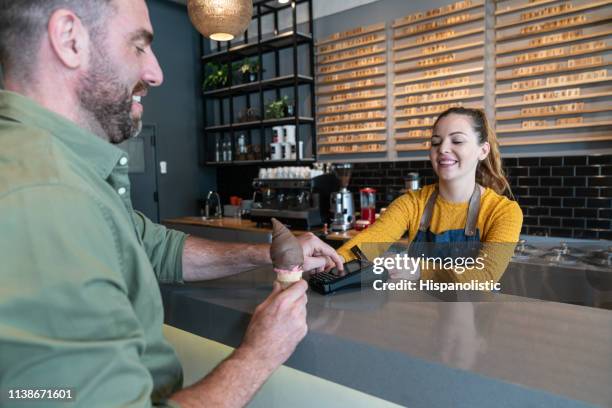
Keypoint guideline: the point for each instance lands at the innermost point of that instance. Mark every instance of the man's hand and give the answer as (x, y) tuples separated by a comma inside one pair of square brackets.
[(318, 255), (278, 325)]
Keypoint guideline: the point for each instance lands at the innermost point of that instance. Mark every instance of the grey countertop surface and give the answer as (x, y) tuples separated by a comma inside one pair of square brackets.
[(417, 351)]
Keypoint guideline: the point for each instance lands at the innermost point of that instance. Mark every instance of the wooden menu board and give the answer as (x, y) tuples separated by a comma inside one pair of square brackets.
[(553, 78), (351, 91), (438, 63)]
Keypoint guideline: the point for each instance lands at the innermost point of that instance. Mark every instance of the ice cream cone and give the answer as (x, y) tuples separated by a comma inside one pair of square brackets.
[(288, 278), (286, 254)]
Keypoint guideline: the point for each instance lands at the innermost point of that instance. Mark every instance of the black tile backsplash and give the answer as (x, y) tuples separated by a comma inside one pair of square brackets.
[(587, 171), (600, 181), (562, 212), (601, 159), (585, 213), (574, 181), (574, 161), (569, 196), (550, 201), (549, 161)]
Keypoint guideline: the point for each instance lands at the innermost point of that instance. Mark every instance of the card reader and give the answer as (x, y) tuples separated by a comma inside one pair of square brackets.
[(358, 273)]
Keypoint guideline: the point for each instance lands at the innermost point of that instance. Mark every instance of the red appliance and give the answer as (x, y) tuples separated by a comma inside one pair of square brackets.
[(367, 198)]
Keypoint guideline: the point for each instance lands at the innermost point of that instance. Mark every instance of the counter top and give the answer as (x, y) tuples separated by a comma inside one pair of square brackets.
[(341, 236), (248, 225), (414, 350), (228, 223)]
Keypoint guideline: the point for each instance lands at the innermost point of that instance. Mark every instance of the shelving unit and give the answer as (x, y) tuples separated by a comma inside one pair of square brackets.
[(351, 92), (269, 42), (235, 114), (256, 162), (553, 82), (258, 123), (272, 83), (438, 64), (541, 72)]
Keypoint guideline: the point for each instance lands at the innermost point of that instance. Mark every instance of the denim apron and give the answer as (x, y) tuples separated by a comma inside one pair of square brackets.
[(452, 243)]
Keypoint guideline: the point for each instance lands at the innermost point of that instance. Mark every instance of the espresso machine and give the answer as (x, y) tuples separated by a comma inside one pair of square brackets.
[(341, 202), (301, 203)]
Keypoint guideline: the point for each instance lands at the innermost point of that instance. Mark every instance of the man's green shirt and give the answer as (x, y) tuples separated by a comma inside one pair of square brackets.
[(80, 306)]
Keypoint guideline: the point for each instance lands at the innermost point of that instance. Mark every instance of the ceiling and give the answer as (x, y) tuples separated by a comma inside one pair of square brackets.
[(322, 8)]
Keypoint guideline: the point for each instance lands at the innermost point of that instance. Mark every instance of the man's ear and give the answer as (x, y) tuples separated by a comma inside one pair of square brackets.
[(68, 38)]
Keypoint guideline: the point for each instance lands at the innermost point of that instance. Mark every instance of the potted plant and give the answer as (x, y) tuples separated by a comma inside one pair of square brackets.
[(280, 108), (248, 70), (217, 76), (277, 109)]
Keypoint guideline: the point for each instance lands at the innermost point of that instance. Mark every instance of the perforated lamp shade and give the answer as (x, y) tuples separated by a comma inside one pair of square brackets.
[(220, 20)]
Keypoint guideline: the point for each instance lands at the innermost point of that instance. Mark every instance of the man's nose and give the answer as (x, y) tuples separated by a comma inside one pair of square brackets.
[(152, 73)]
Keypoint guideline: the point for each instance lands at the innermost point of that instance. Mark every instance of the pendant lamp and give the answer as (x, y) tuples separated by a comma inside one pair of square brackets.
[(220, 20)]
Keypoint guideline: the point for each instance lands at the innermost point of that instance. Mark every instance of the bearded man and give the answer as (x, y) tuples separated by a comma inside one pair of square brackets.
[(80, 306)]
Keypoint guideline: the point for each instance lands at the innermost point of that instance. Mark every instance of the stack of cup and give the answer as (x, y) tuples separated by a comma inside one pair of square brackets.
[(289, 133), (276, 147)]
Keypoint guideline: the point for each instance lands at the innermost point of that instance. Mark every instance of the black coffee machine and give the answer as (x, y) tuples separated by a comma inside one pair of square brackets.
[(299, 203)]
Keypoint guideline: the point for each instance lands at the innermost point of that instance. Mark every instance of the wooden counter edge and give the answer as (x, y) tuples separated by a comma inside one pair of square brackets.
[(229, 223)]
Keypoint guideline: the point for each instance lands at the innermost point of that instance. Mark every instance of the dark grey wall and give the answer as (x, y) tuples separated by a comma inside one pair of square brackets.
[(176, 110), (372, 13)]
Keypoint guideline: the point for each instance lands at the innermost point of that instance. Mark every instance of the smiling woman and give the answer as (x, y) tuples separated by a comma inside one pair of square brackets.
[(467, 205)]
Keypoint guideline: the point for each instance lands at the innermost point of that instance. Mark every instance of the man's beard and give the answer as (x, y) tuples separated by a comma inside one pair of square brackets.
[(108, 100)]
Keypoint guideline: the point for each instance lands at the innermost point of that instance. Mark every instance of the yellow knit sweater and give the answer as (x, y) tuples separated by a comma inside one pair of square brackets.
[(499, 221)]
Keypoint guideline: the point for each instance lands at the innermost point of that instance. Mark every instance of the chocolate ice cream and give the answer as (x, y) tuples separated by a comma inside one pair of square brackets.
[(286, 254)]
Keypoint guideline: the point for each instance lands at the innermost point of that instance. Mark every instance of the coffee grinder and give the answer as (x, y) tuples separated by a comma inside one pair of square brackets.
[(342, 208)]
